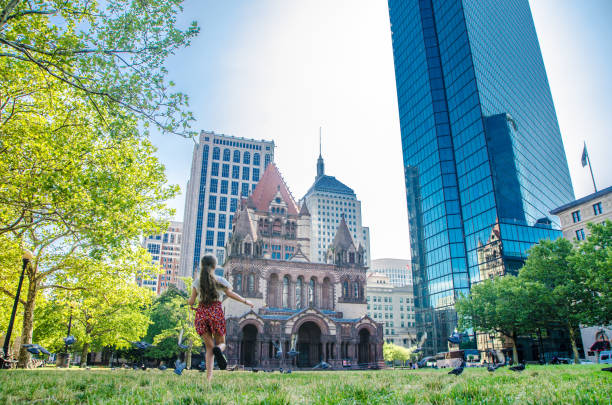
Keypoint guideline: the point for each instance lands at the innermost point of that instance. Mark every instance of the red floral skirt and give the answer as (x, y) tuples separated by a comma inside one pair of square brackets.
[(209, 318)]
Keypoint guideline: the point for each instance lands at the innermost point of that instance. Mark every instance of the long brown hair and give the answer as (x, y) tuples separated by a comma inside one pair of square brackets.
[(208, 284)]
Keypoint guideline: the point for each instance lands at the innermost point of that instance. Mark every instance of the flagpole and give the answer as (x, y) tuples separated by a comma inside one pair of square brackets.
[(591, 169)]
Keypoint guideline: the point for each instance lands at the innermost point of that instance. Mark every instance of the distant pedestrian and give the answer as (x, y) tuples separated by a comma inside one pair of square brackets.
[(209, 319)]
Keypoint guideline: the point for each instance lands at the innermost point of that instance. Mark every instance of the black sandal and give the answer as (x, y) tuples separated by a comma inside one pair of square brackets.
[(220, 358)]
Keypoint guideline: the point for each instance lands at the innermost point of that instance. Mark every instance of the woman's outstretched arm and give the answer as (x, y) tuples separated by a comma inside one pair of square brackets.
[(237, 297)]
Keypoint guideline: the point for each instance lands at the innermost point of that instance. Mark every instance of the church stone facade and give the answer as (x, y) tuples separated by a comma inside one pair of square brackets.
[(318, 309)]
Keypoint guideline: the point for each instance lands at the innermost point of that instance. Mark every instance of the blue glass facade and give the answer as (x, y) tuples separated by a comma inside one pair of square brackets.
[(480, 141)]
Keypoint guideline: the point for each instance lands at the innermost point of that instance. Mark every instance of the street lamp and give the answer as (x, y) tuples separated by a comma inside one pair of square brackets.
[(27, 258)]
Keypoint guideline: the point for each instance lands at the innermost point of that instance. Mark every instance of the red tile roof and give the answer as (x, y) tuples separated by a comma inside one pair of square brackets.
[(269, 184)]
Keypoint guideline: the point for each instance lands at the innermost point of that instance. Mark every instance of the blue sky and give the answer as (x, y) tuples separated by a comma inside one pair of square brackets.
[(279, 69)]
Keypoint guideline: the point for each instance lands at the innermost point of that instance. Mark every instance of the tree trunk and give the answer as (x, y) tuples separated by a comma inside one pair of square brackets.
[(572, 333), (84, 354), (188, 358), (28, 323), (514, 350)]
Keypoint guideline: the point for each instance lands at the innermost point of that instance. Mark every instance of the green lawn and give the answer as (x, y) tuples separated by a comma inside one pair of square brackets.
[(538, 384)]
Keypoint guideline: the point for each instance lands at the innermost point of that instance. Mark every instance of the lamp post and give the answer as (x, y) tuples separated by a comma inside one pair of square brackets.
[(27, 258)]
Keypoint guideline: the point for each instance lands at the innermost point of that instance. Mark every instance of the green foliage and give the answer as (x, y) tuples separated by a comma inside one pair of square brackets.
[(170, 316), (593, 259), (572, 302), (105, 305), (393, 353), (105, 56), (504, 305)]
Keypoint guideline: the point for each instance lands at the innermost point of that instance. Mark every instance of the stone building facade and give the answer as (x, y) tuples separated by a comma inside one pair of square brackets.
[(318, 309), (393, 308)]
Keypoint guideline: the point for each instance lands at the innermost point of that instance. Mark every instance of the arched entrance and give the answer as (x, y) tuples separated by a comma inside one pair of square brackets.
[(363, 355), (309, 345), (247, 346)]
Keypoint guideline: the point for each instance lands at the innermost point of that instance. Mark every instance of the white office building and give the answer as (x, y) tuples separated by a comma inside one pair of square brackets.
[(328, 200), (224, 169), (398, 271), (393, 307)]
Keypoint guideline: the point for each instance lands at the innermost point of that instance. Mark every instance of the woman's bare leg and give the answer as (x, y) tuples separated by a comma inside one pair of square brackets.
[(220, 342), (210, 344)]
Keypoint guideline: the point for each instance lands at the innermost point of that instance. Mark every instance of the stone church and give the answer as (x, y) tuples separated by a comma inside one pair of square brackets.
[(319, 309)]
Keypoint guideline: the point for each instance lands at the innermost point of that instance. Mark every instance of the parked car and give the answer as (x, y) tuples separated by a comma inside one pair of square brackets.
[(605, 357)]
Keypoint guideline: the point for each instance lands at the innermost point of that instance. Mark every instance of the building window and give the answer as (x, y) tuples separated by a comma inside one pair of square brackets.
[(233, 204), (211, 220), (235, 172), (214, 169), (255, 174), (210, 238), (238, 282), (298, 287), (311, 290), (236, 156), (597, 208), (245, 173), (356, 290), (226, 155), (222, 203), (286, 292), (223, 186), (220, 239), (345, 289), (221, 221), (246, 158), (212, 202), (245, 190), (229, 224), (580, 234), (576, 216), (234, 188), (225, 170), (251, 283), (256, 160), (216, 153), (213, 185), (267, 161)]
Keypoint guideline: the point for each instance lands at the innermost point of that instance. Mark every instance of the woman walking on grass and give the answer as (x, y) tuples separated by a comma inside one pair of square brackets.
[(209, 319)]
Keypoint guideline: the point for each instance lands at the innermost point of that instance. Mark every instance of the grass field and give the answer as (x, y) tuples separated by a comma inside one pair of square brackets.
[(538, 384)]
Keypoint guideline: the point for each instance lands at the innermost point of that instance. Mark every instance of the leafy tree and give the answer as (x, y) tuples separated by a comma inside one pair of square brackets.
[(108, 55), (81, 195), (164, 317), (393, 353), (548, 263), (107, 309), (504, 305), (593, 259), (179, 323)]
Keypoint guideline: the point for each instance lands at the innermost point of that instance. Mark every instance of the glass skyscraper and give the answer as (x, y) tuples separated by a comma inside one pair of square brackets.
[(483, 156)]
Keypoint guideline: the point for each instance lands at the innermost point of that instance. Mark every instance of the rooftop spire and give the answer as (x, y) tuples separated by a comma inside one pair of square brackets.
[(320, 164)]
